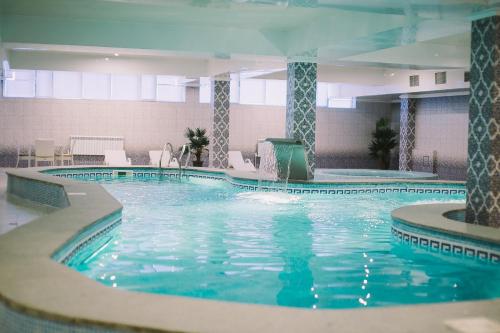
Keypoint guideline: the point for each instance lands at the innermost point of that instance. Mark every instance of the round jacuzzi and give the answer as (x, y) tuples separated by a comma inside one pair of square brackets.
[(335, 174)]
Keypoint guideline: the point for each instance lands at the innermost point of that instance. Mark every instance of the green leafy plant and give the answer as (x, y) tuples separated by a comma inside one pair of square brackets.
[(198, 141), (384, 140)]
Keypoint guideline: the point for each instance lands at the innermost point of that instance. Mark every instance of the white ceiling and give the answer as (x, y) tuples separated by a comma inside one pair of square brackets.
[(207, 37)]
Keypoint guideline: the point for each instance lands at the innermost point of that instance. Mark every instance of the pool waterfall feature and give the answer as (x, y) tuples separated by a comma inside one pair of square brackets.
[(283, 160)]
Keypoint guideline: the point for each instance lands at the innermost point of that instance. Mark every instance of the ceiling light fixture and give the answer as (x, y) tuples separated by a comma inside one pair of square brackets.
[(117, 54), (107, 59)]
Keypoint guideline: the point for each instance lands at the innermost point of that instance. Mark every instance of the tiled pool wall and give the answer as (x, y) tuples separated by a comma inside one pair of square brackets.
[(41, 192), (16, 320), (253, 185), (86, 237), (439, 242)]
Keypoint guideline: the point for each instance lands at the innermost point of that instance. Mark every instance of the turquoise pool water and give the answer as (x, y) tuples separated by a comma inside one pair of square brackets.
[(207, 239)]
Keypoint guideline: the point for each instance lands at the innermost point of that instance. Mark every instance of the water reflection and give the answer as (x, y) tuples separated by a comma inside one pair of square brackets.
[(292, 234)]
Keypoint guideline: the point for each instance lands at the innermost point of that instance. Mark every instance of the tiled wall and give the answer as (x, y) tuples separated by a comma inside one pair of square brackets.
[(145, 125), (441, 125), (342, 135)]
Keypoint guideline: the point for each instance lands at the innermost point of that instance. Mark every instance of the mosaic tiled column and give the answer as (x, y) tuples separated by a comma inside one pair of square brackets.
[(406, 132), (220, 134), (483, 165), (301, 107)]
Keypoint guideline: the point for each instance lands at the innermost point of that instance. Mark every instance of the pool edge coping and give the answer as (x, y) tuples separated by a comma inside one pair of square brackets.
[(98, 304), (432, 217)]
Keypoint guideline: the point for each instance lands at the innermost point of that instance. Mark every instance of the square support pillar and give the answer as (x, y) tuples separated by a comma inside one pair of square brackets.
[(220, 134), (483, 162), (407, 132), (301, 107)]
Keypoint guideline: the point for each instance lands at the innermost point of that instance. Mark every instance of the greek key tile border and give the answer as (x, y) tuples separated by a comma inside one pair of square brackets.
[(407, 133), (434, 242), (301, 107), (220, 136), (483, 168), (86, 237), (252, 185)]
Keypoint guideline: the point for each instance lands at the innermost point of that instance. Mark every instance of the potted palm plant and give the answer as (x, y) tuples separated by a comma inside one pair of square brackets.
[(384, 140), (198, 141)]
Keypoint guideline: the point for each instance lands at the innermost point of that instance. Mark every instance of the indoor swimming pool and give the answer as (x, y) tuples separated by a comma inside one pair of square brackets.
[(207, 238)]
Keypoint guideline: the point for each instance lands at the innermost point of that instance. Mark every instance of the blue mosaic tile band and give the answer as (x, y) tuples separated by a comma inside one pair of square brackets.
[(13, 320), (220, 135), (445, 243), (37, 191), (483, 168), (407, 133), (85, 237), (253, 185), (301, 107)]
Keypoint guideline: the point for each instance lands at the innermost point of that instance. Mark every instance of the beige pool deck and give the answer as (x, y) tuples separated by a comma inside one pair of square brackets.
[(34, 284)]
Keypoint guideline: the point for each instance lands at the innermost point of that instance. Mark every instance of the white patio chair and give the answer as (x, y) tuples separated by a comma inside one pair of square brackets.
[(44, 151), (116, 158), (24, 156), (235, 161), (154, 159)]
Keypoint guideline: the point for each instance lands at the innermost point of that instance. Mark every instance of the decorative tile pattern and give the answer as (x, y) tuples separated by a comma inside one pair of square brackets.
[(301, 107), (37, 191), (253, 185), (220, 139), (483, 169), (14, 320), (86, 237), (407, 132), (445, 244)]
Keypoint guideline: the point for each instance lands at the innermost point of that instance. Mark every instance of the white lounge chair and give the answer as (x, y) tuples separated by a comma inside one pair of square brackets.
[(235, 161), (116, 158), (154, 159), (44, 151)]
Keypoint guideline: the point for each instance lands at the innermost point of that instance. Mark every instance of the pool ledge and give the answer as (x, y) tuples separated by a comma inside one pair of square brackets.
[(432, 217), (37, 287)]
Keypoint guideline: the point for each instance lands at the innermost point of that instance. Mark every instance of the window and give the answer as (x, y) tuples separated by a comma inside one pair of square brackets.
[(43, 84), (124, 87), (253, 91), (20, 84), (170, 88), (322, 94), (148, 87), (342, 103), (67, 85), (95, 86), (205, 90), (234, 89), (276, 92)]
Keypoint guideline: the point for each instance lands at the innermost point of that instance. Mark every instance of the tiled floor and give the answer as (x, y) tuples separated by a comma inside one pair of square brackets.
[(12, 214)]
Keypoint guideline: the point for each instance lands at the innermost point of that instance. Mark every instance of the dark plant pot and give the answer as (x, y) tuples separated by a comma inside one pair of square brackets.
[(197, 163)]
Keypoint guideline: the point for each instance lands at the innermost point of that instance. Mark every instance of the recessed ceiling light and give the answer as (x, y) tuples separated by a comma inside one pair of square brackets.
[(392, 74), (107, 59), (117, 54)]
